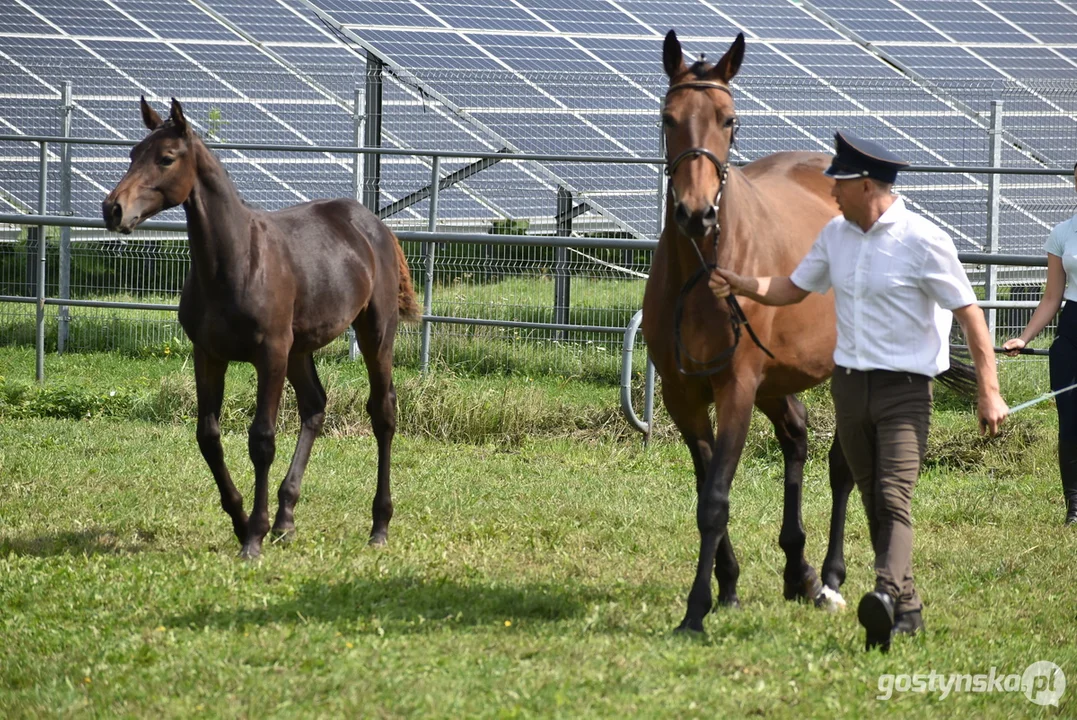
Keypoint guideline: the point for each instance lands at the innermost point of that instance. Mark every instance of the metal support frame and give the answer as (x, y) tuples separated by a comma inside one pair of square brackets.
[(993, 207), (562, 283), (372, 117), (66, 109), (42, 243), (428, 252), (357, 188)]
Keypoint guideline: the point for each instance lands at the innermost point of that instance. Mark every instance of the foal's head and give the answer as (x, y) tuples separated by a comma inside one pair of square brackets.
[(699, 124), (162, 171)]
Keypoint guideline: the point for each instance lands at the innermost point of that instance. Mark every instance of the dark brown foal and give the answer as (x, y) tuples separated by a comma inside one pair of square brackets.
[(270, 288)]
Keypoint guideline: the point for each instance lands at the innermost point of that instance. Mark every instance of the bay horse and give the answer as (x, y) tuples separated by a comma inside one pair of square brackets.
[(757, 220), (270, 288)]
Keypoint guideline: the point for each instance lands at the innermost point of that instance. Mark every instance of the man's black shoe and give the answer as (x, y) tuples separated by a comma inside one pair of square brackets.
[(876, 614), (908, 623)]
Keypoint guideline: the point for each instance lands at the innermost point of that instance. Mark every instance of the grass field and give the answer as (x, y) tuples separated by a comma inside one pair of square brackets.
[(538, 560)]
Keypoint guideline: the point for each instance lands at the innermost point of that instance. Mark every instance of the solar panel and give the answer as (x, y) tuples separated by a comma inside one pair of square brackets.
[(539, 75)]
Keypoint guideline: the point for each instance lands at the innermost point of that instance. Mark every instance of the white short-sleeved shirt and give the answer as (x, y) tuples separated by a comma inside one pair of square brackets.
[(894, 289), (1062, 242)]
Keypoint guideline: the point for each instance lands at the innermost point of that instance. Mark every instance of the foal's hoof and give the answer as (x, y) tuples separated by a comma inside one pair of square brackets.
[(251, 552), (732, 602), (690, 628)]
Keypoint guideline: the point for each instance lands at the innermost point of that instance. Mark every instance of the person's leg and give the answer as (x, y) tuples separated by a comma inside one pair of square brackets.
[(858, 438), (903, 414), (1063, 363)]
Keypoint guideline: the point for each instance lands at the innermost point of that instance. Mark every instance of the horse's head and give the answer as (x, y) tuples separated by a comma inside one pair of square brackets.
[(699, 124), (161, 175)]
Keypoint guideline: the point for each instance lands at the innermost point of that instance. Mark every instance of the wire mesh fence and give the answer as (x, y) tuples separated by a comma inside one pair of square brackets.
[(940, 125)]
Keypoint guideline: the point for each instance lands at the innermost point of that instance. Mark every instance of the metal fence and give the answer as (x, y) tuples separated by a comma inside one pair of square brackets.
[(295, 133)]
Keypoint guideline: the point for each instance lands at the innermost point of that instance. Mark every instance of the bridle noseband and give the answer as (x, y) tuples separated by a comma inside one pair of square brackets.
[(736, 315)]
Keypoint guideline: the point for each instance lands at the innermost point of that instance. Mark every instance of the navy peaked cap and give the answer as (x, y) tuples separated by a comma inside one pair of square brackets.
[(855, 158)]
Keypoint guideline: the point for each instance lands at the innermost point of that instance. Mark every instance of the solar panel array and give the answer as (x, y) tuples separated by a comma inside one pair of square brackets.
[(546, 76)]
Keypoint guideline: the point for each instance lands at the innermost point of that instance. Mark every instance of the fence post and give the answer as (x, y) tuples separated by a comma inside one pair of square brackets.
[(357, 189), (661, 183), (429, 246), (562, 288), (42, 242), (994, 181), (66, 109), (372, 134)]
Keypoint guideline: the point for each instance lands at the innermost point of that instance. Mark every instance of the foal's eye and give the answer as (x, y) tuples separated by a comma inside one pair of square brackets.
[(167, 160)]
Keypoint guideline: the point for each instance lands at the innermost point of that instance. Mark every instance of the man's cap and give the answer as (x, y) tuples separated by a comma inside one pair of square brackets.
[(856, 158)]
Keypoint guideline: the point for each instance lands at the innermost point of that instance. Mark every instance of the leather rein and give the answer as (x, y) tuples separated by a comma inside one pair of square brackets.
[(737, 317)]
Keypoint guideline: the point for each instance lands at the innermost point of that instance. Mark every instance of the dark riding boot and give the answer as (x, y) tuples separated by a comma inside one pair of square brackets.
[(1069, 482), (908, 623), (876, 614)]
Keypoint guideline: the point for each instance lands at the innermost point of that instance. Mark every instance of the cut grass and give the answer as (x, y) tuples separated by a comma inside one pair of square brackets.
[(529, 573)]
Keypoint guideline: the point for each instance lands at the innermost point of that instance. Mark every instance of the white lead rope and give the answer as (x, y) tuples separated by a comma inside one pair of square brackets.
[(1041, 398)]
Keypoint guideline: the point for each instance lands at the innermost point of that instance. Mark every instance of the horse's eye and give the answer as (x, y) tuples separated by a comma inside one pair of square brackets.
[(167, 160), (730, 122), (668, 121)]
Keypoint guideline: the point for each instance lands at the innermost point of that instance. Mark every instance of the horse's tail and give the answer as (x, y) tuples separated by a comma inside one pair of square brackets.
[(405, 299), (960, 377)]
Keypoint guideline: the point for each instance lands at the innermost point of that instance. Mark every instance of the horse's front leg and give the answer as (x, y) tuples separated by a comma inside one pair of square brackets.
[(712, 509), (209, 386), (272, 366), (841, 486)]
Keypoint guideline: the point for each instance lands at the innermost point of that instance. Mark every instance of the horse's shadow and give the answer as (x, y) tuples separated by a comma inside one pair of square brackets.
[(92, 541), (408, 604)]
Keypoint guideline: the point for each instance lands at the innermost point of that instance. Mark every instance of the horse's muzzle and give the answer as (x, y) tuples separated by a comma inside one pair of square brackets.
[(697, 224), (113, 214)]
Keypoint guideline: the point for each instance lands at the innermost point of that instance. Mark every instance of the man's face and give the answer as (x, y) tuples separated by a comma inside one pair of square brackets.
[(851, 195)]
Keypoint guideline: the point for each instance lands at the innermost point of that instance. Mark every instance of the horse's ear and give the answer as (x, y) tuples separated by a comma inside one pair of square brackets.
[(176, 116), (728, 66), (150, 118), (672, 57)]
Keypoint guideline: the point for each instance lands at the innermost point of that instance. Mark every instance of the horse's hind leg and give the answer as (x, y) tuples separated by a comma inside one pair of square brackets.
[(841, 486), (376, 330), (310, 396), (209, 386), (790, 426)]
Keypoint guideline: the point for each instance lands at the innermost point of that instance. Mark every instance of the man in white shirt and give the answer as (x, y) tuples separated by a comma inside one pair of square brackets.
[(897, 285)]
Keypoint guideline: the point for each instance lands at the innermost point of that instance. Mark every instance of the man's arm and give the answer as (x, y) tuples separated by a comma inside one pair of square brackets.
[(990, 407), (764, 290)]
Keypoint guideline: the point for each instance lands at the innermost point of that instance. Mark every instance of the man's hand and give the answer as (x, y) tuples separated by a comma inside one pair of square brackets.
[(991, 410), (1013, 346), (724, 283)]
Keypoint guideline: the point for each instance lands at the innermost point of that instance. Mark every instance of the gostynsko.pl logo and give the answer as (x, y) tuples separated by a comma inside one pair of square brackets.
[(1042, 683)]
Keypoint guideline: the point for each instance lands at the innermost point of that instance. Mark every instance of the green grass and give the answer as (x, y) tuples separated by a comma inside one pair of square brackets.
[(538, 559)]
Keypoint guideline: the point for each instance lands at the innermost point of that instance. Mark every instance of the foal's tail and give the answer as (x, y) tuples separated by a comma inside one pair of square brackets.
[(408, 306)]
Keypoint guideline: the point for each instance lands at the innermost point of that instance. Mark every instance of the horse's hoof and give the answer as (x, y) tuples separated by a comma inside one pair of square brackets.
[(378, 539), (250, 553), (733, 602), (807, 588), (690, 628), (830, 600)]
